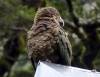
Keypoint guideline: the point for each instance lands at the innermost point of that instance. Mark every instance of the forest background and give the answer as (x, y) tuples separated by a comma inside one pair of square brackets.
[(82, 22)]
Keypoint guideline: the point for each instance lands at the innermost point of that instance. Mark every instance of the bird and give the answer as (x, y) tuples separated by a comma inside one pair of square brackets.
[(47, 40)]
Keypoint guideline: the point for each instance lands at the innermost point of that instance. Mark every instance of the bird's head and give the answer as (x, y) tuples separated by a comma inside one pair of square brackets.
[(49, 13)]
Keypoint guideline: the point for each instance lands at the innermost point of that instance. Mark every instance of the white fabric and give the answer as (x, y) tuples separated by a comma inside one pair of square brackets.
[(45, 69)]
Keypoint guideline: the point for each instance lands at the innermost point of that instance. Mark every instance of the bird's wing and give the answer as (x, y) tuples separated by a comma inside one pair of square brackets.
[(65, 50)]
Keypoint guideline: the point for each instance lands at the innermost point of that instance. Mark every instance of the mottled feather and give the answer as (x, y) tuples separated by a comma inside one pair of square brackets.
[(47, 41)]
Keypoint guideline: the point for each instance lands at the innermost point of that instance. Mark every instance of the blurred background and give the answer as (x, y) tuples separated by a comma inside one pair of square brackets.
[(82, 22)]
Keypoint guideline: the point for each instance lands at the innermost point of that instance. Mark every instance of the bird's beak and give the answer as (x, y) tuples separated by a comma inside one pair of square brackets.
[(61, 21)]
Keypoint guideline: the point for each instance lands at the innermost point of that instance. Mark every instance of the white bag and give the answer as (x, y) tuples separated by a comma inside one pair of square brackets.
[(45, 69)]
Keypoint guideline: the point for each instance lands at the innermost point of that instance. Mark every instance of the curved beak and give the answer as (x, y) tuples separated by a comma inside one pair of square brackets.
[(61, 21)]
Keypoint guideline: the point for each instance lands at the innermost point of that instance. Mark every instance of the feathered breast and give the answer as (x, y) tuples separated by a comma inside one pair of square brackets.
[(41, 38)]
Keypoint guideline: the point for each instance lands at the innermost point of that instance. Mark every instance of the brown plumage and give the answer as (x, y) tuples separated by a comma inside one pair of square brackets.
[(47, 41)]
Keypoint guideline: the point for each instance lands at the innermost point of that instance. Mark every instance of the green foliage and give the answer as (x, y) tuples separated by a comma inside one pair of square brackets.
[(22, 68), (14, 14), (61, 6)]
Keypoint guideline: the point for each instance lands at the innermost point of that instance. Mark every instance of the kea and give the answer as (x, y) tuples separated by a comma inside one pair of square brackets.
[(47, 40)]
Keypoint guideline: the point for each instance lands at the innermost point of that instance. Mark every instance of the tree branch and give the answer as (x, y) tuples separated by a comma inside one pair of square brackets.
[(71, 12)]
